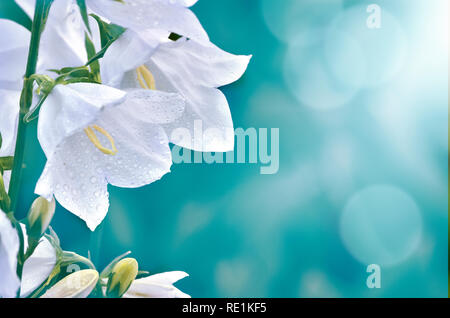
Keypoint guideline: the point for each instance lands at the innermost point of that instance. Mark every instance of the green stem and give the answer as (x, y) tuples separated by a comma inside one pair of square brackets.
[(26, 99)]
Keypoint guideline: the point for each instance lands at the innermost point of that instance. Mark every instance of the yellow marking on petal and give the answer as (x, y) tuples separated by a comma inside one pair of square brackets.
[(145, 78), (93, 138)]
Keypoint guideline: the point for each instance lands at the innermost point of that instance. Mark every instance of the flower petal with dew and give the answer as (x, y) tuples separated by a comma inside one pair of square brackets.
[(123, 145), (157, 286), (142, 15), (9, 247), (38, 266), (193, 69)]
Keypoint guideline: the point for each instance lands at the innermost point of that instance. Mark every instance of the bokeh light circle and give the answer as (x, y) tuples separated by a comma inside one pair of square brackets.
[(287, 18), (309, 78), (364, 56), (381, 225)]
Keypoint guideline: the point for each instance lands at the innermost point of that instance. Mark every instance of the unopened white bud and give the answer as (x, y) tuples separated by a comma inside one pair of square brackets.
[(76, 285)]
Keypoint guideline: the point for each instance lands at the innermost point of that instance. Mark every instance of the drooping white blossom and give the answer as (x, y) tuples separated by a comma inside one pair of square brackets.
[(191, 68), (94, 135), (157, 286)]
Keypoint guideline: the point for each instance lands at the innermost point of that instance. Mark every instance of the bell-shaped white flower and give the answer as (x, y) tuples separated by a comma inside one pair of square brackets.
[(143, 15), (38, 266), (157, 286), (191, 68), (9, 247), (94, 135)]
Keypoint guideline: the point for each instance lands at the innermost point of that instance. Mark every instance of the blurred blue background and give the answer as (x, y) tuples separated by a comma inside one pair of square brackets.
[(363, 179)]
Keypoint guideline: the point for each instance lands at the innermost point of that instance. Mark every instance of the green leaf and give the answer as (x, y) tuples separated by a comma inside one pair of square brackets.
[(84, 14)]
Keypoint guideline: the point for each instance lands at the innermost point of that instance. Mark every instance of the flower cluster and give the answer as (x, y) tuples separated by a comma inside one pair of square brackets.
[(112, 83)]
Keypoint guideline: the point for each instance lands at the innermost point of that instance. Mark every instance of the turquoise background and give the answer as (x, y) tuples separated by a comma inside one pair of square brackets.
[(363, 119)]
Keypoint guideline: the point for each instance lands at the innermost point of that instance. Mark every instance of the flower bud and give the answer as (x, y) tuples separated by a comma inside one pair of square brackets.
[(76, 285), (121, 277), (40, 216)]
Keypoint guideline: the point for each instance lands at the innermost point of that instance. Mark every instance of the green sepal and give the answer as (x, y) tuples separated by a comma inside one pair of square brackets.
[(109, 32), (94, 66), (5, 201), (6, 163), (174, 37)]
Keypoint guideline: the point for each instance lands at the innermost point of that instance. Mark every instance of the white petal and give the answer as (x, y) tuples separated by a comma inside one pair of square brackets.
[(71, 176), (206, 120), (14, 43), (131, 50), (154, 107), (167, 278), (143, 155), (200, 63), (72, 107), (157, 286), (63, 39), (38, 267), (9, 247), (151, 14), (9, 110)]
